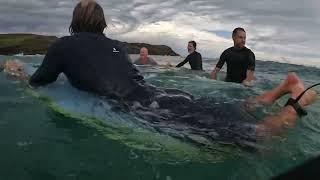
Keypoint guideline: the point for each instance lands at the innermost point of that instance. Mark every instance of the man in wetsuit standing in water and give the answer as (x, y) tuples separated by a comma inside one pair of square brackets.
[(194, 58), (240, 60)]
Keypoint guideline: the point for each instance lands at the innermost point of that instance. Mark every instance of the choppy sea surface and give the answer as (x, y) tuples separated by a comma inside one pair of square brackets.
[(58, 132)]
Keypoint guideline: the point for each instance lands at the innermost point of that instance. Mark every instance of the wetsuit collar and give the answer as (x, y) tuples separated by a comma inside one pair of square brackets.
[(193, 52), (239, 49), (89, 34)]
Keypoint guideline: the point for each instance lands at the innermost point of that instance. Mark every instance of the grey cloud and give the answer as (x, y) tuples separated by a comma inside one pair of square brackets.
[(293, 24)]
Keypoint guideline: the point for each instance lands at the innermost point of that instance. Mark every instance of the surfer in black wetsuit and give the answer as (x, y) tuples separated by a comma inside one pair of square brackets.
[(99, 65), (194, 58), (240, 60)]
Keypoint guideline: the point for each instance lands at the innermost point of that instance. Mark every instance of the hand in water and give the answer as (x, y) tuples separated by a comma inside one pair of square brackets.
[(247, 83), (15, 68), (213, 75)]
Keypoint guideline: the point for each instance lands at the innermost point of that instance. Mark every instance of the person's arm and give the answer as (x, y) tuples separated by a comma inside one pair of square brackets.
[(50, 68), (199, 60), (183, 62), (214, 73), (250, 71), (249, 78), (219, 65)]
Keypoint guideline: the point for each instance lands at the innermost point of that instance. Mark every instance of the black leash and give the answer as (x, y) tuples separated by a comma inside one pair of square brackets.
[(294, 102), (300, 96)]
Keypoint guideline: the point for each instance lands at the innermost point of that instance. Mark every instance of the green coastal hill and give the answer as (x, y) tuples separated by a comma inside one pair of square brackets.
[(31, 44)]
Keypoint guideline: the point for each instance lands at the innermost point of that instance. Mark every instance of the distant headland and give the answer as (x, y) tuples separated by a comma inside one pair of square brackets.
[(32, 44)]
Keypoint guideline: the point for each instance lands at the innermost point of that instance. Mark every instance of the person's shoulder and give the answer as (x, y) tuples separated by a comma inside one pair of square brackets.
[(71, 39), (228, 50), (152, 61), (116, 43), (60, 43), (137, 61), (197, 53), (63, 39), (249, 51)]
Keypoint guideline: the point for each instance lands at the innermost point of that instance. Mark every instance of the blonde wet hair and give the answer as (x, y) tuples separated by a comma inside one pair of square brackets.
[(88, 16), (86, 2)]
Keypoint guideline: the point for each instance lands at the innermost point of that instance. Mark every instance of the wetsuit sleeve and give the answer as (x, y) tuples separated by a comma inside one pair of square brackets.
[(252, 61), (199, 58), (222, 60), (50, 68), (184, 62)]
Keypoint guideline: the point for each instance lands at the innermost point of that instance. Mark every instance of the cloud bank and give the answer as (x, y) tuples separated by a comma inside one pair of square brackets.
[(276, 30)]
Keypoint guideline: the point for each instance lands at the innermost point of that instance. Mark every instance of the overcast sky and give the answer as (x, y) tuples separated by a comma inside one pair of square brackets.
[(276, 29)]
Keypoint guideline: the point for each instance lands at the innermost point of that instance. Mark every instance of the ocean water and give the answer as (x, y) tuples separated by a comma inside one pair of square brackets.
[(58, 132)]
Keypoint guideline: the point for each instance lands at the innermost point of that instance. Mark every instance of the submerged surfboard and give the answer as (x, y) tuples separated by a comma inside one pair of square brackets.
[(107, 119)]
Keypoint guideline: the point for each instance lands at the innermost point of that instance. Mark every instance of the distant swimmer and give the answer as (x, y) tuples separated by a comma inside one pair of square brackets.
[(93, 63), (194, 58), (240, 60), (144, 58)]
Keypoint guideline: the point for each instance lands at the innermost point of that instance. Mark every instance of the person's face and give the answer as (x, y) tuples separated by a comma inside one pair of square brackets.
[(191, 49), (143, 53), (240, 39), (14, 68)]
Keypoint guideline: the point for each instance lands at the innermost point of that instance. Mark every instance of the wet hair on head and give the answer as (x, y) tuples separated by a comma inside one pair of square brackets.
[(86, 2), (88, 16), (236, 30), (144, 48), (194, 44)]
